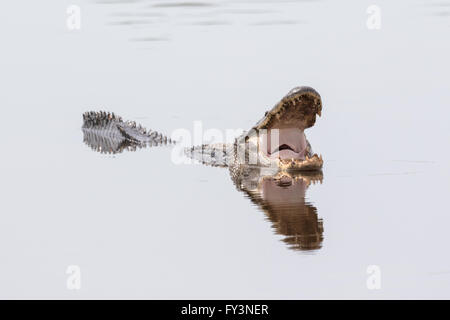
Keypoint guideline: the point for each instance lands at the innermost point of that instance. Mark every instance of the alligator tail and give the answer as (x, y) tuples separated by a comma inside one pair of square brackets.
[(107, 133)]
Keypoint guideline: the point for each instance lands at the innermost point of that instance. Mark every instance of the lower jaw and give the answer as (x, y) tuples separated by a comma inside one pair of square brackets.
[(313, 163), (306, 164)]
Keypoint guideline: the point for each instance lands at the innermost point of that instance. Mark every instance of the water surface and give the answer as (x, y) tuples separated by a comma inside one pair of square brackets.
[(140, 226)]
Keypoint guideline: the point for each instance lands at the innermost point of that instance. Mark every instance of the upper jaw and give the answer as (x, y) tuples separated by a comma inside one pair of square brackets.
[(298, 109)]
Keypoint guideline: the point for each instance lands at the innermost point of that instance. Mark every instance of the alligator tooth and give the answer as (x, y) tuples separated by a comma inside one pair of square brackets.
[(319, 112)]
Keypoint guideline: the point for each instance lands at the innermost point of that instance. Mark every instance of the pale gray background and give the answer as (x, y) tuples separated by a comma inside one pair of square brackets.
[(141, 227)]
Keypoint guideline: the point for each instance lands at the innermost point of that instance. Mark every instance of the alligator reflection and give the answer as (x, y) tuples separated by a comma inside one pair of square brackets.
[(279, 194), (282, 198)]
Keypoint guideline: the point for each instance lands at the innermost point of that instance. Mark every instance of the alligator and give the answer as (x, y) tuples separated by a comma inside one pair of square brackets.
[(284, 124), (272, 163)]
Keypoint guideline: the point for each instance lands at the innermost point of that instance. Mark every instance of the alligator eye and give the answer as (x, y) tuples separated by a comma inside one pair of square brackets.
[(266, 113)]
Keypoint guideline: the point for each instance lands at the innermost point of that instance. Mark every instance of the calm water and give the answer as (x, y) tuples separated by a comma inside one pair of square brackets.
[(140, 226)]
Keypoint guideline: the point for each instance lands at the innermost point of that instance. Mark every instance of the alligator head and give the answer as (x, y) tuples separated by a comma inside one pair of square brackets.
[(278, 139)]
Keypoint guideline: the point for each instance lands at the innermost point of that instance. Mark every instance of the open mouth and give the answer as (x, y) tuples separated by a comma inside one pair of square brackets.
[(284, 147), (285, 143), (285, 151), (281, 134)]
